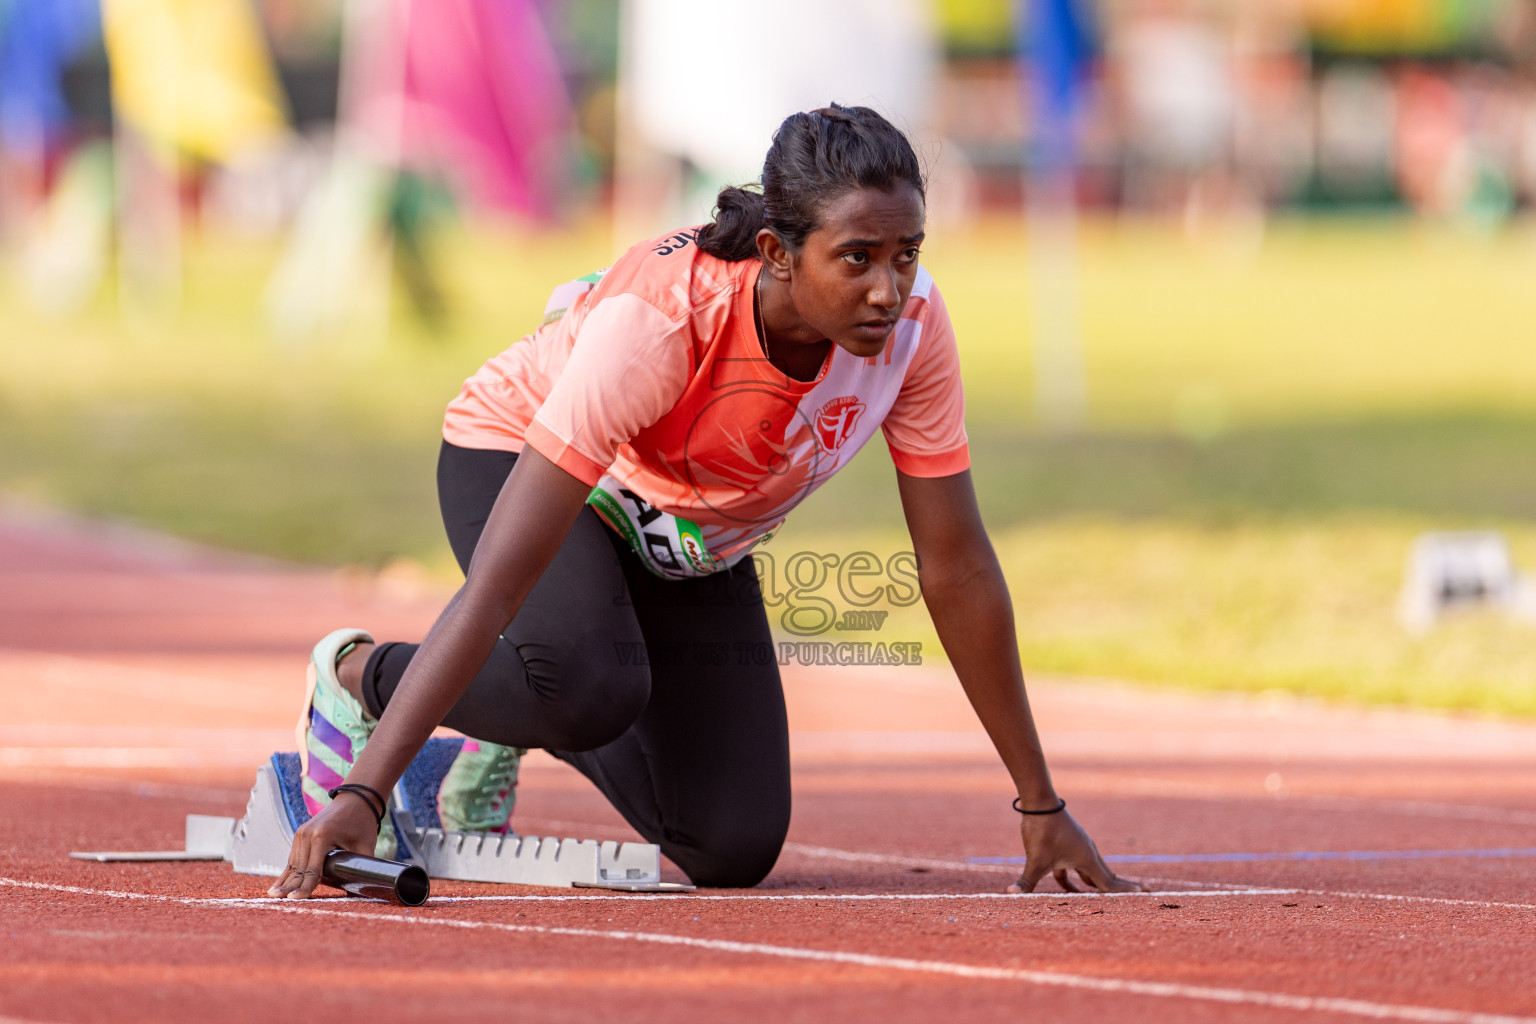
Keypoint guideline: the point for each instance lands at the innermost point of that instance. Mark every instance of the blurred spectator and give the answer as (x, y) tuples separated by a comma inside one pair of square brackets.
[(1274, 116), (1434, 160), (1356, 133), (1179, 98)]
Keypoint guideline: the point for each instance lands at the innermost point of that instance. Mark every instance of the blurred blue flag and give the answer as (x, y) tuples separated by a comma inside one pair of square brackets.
[(1056, 42), (38, 39)]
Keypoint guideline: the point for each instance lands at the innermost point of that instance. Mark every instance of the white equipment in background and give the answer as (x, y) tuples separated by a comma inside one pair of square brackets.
[(686, 123), (1448, 571)]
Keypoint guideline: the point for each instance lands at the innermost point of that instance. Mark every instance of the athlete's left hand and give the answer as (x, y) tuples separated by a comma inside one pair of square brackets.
[(1054, 844)]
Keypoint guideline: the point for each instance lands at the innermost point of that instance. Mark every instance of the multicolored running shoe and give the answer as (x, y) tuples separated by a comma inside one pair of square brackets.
[(333, 729), (480, 788)]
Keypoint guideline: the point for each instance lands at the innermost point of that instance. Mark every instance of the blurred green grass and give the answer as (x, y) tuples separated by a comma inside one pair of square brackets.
[(1269, 427)]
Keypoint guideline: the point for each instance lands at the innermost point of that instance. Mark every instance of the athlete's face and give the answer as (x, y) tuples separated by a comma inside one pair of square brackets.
[(851, 278)]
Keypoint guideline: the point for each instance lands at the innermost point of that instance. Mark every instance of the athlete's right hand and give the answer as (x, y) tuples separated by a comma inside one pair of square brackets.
[(346, 822)]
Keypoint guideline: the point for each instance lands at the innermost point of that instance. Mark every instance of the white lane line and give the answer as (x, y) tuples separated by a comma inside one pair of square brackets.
[(828, 853), (1189, 883), (1116, 986), (932, 864), (130, 757), (1423, 808), (110, 784), (882, 858), (832, 897), (1109, 784), (118, 894), (877, 897), (1399, 898), (1279, 856), (748, 897), (139, 736), (651, 898), (87, 677)]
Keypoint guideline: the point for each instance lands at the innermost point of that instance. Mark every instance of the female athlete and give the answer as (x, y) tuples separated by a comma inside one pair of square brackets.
[(603, 483)]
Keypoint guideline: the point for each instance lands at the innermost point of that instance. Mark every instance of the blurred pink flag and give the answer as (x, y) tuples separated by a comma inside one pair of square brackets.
[(469, 88)]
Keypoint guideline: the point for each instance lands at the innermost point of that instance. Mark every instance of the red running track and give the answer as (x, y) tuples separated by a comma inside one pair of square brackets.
[(143, 679)]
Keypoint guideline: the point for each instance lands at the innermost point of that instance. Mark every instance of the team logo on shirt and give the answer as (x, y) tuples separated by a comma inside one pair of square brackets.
[(836, 421)]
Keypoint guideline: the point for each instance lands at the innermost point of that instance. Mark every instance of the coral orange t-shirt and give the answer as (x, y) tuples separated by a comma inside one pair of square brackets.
[(648, 382)]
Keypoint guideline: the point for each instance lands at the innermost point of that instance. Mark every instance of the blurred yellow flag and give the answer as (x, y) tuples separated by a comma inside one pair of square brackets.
[(193, 76)]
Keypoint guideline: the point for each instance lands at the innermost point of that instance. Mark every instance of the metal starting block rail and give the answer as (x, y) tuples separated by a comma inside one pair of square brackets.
[(259, 842)]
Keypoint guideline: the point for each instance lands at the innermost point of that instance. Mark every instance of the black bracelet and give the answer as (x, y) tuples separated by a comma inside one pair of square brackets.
[(368, 794), (358, 786), (1054, 810)]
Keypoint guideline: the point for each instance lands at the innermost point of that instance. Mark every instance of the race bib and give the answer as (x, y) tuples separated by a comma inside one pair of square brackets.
[(670, 546)]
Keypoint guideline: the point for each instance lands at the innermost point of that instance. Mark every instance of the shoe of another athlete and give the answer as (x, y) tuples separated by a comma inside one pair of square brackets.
[(333, 729), (480, 788)]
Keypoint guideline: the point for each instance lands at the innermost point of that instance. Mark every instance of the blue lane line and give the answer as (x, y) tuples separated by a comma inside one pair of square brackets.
[(1210, 858)]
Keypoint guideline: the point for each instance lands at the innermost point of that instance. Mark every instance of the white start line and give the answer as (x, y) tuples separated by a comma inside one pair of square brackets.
[(1116, 986), (862, 897), (896, 860)]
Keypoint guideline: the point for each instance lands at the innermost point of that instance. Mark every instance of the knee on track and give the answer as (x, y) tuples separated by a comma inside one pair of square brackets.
[(734, 855), (594, 701)]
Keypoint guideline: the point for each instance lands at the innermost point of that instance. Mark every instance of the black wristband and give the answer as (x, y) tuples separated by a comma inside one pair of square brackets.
[(368, 795), (1054, 810)]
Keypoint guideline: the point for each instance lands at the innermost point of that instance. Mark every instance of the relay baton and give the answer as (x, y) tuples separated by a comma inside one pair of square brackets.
[(405, 884)]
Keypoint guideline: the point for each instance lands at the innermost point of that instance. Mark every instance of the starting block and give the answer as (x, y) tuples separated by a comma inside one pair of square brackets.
[(259, 842)]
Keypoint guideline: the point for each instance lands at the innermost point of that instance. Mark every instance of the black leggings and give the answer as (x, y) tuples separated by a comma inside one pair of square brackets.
[(662, 692)]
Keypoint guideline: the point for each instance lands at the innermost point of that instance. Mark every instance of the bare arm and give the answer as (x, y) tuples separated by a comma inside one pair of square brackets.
[(964, 590), (532, 515), (535, 510)]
